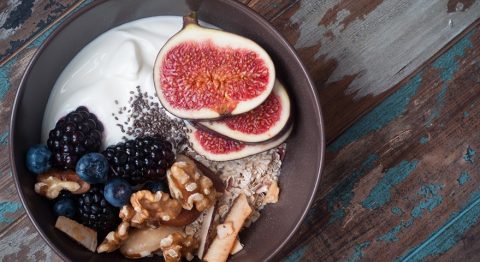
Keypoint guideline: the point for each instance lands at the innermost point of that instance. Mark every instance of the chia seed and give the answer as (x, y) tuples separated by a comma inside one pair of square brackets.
[(145, 117)]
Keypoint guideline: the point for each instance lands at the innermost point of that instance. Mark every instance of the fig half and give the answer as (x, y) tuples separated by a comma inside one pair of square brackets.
[(258, 125), (218, 148), (203, 73)]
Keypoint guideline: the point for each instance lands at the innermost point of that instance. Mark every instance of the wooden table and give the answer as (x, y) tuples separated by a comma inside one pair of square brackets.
[(399, 83)]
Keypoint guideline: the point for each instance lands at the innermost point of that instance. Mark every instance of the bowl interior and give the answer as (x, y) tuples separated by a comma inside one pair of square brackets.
[(302, 165)]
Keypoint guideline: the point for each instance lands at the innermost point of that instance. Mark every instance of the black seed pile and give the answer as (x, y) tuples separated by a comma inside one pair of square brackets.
[(146, 117)]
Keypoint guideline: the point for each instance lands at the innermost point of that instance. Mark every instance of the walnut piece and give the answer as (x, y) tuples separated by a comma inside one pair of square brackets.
[(50, 184), (114, 239), (176, 245), (152, 209), (188, 185)]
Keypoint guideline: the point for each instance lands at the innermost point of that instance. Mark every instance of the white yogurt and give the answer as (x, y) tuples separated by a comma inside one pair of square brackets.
[(107, 69)]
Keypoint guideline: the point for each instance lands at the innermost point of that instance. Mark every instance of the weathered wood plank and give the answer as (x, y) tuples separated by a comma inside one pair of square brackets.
[(403, 181), (21, 20), (344, 223), (10, 206), (356, 50), (22, 243)]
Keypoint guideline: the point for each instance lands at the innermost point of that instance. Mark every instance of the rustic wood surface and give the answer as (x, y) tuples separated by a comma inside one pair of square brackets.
[(399, 83)]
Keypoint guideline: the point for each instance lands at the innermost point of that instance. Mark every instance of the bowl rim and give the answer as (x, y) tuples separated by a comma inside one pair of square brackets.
[(236, 5)]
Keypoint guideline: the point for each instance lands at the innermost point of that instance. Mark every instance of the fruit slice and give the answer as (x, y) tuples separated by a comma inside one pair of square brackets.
[(218, 148), (258, 125), (203, 73)]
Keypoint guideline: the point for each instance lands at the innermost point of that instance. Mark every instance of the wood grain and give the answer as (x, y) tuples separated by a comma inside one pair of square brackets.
[(21, 242), (21, 20), (410, 185), (357, 50), (400, 183)]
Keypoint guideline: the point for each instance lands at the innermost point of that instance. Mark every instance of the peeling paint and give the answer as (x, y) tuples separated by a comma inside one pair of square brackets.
[(24, 245), (437, 108), (424, 139), (383, 46), (390, 108), (397, 211), (341, 196), (469, 155), (380, 194), (358, 252), (5, 72), (458, 5), (463, 178), (449, 234), (448, 65), (391, 236), (432, 199), (8, 207), (42, 37), (18, 15), (297, 254), (4, 138)]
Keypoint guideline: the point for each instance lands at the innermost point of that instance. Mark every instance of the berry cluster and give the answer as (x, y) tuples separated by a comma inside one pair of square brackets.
[(75, 143), (140, 160)]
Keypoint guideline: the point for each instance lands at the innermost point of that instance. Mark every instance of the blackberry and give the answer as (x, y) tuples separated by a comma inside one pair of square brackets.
[(139, 160), (77, 133), (95, 212)]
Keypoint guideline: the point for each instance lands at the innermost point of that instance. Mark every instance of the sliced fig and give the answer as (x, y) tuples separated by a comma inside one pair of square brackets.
[(258, 125), (203, 73), (218, 148)]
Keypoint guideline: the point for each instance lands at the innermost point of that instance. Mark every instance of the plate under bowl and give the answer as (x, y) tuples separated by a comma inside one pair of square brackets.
[(304, 159)]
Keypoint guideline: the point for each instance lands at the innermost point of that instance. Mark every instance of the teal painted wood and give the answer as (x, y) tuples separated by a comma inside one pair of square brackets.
[(405, 177), (24, 19), (357, 51), (384, 191)]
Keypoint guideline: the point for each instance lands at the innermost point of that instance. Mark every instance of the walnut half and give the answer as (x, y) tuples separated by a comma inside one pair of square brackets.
[(52, 182), (189, 185), (153, 209), (176, 245)]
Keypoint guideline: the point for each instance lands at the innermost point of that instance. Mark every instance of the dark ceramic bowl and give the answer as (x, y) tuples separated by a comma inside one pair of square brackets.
[(304, 159)]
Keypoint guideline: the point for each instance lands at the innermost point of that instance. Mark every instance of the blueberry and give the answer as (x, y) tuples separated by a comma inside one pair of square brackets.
[(92, 168), (39, 159), (117, 192), (155, 186), (65, 207)]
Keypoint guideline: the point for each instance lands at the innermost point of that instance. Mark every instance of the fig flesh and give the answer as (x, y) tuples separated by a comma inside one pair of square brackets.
[(218, 148), (258, 125), (203, 73)]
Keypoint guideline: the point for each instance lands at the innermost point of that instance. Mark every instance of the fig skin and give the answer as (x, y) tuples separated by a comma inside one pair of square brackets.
[(247, 150), (192, 32), (272, 132), (285, 129)]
